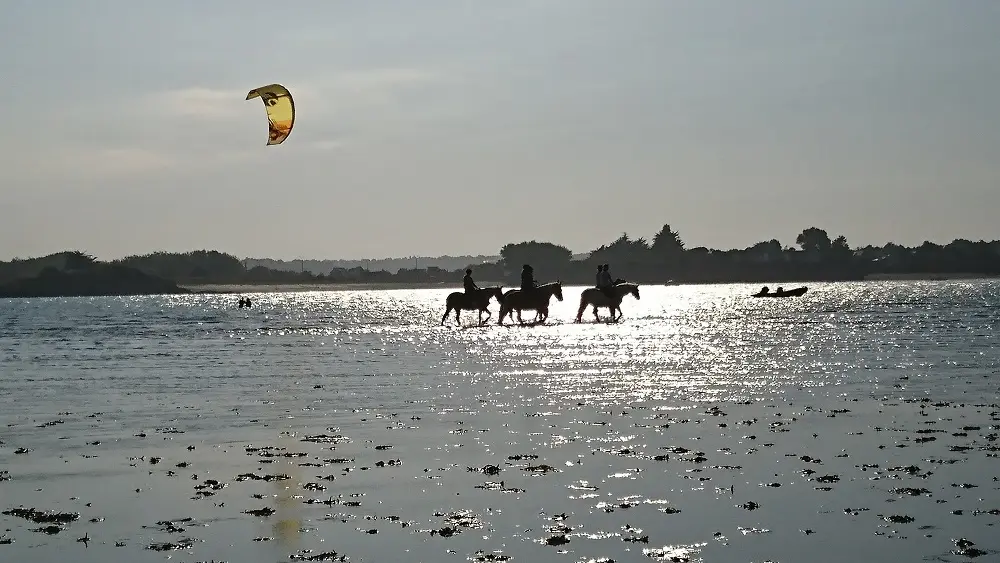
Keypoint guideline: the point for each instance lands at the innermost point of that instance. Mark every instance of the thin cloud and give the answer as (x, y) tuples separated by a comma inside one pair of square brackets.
[(327, 145), (350, 88), (84, 163), (200, 102)]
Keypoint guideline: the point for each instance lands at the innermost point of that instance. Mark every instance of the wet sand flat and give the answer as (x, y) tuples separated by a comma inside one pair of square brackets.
[(530, 480)]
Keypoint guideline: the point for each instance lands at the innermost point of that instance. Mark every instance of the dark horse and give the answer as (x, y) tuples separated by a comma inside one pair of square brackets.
[(536, 300), (478, 300), (597, 298)]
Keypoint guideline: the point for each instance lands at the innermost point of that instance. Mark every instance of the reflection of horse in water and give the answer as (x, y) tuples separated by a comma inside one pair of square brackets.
[(478, 300), (535, 300), (598, 299)]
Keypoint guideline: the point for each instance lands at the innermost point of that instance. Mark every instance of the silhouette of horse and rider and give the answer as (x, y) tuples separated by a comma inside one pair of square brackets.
[(607, 294), (474, 298), (532, 296)]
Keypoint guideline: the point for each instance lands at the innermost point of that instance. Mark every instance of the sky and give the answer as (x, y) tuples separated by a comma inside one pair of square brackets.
[(458, 126)]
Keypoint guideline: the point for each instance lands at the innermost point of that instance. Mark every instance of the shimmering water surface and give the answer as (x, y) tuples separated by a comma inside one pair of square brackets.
[(858, 422)]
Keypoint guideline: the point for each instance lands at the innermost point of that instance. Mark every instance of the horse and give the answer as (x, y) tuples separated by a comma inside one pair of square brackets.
[(544, 310), (478, 300), (536, 300), (596, 298)]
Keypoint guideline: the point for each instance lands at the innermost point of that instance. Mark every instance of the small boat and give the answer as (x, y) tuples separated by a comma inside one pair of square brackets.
[(798, 291)]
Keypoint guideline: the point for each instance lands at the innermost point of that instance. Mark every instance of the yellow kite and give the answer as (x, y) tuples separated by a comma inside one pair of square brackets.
[(280, 111)]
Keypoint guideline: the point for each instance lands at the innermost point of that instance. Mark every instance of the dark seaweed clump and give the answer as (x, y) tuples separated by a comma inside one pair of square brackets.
[(43, 517)]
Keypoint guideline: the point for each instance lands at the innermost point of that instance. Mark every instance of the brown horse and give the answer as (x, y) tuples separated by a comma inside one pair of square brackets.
[(478, 300), (536, 300), (598, 299)]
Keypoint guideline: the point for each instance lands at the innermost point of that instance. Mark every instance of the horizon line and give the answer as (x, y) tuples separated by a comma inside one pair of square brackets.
[(455, 256)]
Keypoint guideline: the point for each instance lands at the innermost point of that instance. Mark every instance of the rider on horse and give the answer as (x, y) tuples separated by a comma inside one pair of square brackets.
[(527, 279), (470, 286), (604, 281)]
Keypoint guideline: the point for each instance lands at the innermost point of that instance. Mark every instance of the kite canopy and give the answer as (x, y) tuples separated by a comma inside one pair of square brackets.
[(280, 111)]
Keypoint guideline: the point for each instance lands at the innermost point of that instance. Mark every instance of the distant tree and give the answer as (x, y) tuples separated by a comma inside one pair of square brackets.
[(623, 250), (840, 250), (930, 257), (767, 250), (200, 265), (870, 253), (78, 260), (814, 240), (667, 243), (963, 246), (551, 257)]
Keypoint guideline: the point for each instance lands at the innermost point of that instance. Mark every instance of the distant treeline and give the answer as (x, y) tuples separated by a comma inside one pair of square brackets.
[(392, 265), (816, 257)]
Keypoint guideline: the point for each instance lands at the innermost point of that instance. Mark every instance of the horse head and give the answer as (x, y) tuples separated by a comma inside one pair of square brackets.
[(624, 288), (557, 290), (497, 293)]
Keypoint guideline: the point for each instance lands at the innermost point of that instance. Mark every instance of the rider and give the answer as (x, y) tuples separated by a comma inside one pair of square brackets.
[(470, 286), (527, 278), (604, 281)]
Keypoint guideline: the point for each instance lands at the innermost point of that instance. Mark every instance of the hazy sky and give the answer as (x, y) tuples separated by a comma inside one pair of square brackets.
[(454, 127)]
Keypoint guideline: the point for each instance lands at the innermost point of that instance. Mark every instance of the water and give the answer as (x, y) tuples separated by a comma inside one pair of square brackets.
[(96, 388)]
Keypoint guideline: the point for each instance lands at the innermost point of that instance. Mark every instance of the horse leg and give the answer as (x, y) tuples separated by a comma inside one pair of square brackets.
[(446, 312), (597, 318), (519, 319), (583, 307)]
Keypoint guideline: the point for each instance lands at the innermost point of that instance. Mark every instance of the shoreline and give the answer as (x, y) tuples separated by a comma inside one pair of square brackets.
[(229, 288), (225, 288)]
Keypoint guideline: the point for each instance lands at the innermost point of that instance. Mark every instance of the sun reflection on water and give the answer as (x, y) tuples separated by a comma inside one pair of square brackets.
[(699, 342)]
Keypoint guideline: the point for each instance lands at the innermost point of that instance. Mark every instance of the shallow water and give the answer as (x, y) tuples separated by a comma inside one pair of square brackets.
[(658, 437)]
